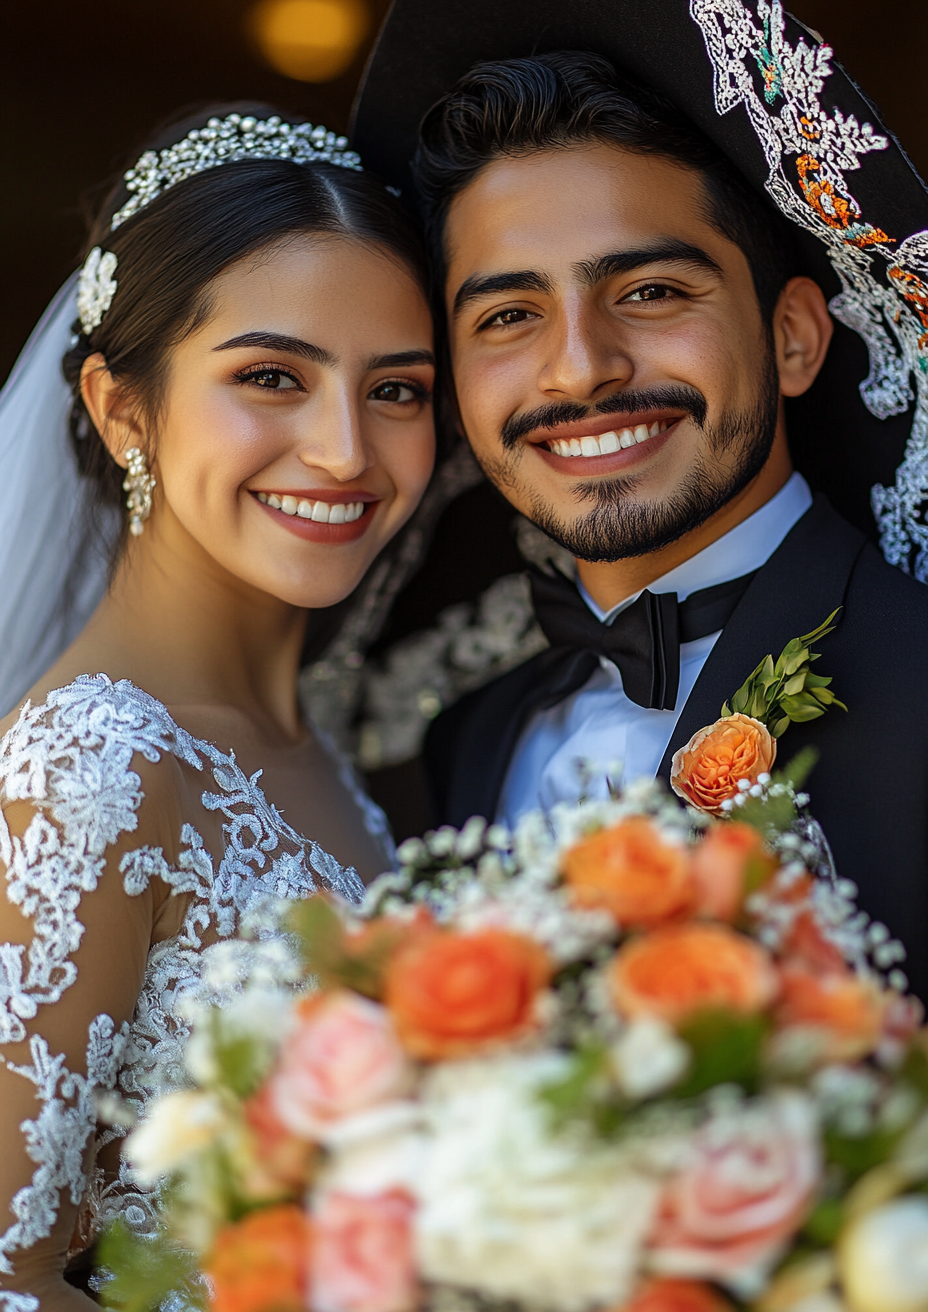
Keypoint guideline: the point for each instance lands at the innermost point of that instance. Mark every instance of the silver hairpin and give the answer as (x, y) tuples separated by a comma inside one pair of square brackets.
[(96, 288), (223, 141)]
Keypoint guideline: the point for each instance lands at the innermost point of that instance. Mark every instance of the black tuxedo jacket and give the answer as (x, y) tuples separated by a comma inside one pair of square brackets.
[(869, 789)]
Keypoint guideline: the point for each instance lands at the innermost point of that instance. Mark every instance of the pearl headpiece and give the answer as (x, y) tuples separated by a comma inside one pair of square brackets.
[(221, 141), (224, 141)]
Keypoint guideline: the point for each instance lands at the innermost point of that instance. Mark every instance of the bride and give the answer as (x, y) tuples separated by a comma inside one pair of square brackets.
[(251, 385)]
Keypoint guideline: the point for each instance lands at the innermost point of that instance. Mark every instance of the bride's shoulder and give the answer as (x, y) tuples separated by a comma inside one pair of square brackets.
[(94, 748)]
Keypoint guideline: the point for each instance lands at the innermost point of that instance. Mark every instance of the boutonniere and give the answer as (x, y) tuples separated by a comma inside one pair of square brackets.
[(738, 751)]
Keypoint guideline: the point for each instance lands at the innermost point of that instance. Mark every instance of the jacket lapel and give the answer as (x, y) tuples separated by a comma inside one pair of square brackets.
[(801, 584)]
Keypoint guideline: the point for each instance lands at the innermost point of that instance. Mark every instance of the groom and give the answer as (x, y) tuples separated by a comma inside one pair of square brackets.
[(627, 317)]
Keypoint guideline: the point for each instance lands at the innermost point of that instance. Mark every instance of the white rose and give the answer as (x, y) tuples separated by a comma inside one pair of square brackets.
[(178, 1126), (883, 1258), (648, 1058), (515, 1210), (374, 1151)]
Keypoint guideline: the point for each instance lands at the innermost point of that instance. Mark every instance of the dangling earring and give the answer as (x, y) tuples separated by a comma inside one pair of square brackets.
[(139, 484)]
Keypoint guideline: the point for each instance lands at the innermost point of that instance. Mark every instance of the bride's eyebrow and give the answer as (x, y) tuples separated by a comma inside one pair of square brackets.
[(280, 343)]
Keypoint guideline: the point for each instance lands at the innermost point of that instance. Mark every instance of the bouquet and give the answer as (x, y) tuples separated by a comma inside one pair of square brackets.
[(629, 1056)]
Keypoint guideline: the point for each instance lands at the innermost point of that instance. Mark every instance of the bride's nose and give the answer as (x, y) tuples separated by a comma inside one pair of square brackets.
[(334, 441)]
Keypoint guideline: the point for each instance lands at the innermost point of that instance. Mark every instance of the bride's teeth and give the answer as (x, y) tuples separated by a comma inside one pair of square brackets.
[(338, 514), (262, 496), (288, 505), (321, 513), (273, 502), (626, 438), (305, 510)]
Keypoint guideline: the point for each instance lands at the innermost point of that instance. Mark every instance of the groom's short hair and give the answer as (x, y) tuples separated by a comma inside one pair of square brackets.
[(515, 107)]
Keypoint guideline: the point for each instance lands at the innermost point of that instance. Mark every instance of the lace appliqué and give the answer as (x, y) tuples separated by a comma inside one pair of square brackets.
[(808, 151), (70, 759)]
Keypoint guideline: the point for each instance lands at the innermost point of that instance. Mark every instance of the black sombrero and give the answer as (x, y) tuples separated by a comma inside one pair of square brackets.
[(766, 89)]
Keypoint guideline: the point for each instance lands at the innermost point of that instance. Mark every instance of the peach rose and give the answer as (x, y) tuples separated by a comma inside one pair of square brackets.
[(750, 1180), (281, 1160), (666, 1295), (706, 771), (343, 1057), (450, 994), (363, 1259), (846, 1010), (731, 857), (632, 872), (683, 968), (261, 1262)]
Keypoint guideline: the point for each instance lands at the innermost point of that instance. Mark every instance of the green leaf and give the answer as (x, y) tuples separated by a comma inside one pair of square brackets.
[(796, 683), (726, 1049), (798, 768), (857, 1155), (824, 1222), (146, 1273), (800, 709), (779, 727)]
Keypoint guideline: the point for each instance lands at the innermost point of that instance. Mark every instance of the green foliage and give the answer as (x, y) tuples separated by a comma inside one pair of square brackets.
[(857, 1154), (146, 1273), (823, 1225), (242, 1062), (586, 1093), (786, 691), (775, 810), (726, 1049), (330, 954)]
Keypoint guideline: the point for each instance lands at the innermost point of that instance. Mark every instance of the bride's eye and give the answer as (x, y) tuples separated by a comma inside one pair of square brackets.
[(269, 379), (398, 393)]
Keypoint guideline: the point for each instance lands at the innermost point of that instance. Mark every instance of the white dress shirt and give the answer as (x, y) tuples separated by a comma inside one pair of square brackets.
[(598, 723)]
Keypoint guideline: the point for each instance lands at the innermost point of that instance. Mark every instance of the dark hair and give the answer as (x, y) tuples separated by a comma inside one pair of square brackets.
[(515, 107), (169, 253)]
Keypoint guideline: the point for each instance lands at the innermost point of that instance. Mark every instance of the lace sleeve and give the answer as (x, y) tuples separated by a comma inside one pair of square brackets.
[(74, 940)]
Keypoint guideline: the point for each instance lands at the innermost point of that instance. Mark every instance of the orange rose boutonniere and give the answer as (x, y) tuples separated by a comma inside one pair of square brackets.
[(739, 750)]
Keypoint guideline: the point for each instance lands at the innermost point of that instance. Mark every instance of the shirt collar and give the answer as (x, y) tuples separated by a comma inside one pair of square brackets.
[(742, 549)]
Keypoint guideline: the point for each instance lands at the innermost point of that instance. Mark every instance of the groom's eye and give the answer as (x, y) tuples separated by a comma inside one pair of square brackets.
[(505, 318)]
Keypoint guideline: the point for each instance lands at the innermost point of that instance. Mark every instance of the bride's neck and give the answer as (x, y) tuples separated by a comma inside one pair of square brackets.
[(179, 625)]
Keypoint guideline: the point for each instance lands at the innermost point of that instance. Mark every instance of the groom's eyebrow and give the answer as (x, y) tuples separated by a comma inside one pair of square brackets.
[(280, 343), (668, 250), (492, 284), (400, 359)]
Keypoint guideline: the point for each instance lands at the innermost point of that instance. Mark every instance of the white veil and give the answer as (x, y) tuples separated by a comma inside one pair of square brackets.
[(53, 557)]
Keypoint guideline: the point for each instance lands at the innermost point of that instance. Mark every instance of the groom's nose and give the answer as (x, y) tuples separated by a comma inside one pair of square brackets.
[(582, 354)]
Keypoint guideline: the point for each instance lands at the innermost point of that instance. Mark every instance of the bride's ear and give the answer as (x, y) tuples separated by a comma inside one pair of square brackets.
[(113, 416)]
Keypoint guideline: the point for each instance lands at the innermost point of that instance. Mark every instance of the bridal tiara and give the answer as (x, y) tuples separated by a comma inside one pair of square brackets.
[(221, 141)]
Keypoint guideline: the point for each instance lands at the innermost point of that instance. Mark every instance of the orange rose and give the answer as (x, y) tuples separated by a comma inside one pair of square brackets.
[(668, 1295), (683, 968), (261, 1263), (630, 871), (846, 1009), (723, 863), (450, 994), (706, 771)]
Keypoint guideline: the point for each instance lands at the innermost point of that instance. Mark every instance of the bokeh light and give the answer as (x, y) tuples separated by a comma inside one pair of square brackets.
[(310, 40)]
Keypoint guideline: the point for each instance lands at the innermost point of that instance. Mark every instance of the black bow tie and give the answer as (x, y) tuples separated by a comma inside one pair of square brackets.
[(643, 640)]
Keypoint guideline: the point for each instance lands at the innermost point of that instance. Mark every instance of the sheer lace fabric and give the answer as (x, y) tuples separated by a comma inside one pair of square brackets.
[(129, 847)]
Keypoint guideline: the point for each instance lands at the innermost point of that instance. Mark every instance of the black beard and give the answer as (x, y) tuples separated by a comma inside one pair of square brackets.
[(618, 527)]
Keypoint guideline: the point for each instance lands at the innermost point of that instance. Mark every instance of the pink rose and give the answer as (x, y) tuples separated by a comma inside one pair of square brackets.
[(746, 1188), (343, 1058), (363, 1254)]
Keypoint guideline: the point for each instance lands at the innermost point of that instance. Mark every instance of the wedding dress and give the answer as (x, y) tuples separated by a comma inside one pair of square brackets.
[(131, 849)]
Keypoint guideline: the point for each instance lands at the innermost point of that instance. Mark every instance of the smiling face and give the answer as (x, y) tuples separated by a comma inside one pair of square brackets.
[(613, 373), (296, 436)]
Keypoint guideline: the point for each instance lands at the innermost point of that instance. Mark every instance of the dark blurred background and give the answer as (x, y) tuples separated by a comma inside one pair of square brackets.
[(83, 84)]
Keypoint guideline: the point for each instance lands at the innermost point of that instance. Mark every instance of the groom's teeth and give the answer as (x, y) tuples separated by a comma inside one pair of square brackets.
[(606, 443), (321, 512)]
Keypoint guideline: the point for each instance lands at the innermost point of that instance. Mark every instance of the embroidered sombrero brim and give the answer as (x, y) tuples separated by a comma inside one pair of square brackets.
[(768, 91)]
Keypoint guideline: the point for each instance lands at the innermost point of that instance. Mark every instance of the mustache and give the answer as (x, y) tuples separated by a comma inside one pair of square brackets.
[(629, 401)]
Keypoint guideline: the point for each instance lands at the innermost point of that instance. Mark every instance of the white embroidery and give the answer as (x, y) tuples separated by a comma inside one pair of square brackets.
[(808, 151), (70, 759)]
